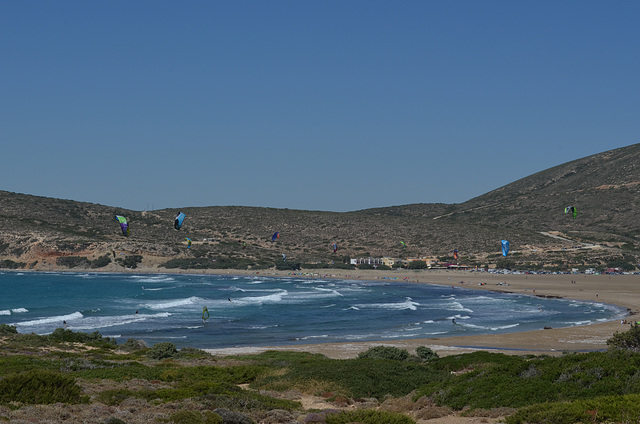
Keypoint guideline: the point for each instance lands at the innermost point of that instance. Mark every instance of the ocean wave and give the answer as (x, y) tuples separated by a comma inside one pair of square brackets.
[(458, 316), (270, 298), (5, 312), (456, 306), (89, 323), (407, 304), (50, 320), (321, 336), (492, 328), (190, 301), (584, 322), (152, 279)]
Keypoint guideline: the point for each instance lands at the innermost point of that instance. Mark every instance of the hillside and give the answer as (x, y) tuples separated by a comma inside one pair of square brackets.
[(605, 188)]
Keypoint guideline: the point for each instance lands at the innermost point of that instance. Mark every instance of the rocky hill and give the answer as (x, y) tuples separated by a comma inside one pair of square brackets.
[(605, 189)]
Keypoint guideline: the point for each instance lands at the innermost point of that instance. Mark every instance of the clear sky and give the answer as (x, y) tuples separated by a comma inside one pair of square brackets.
[(320, 105)]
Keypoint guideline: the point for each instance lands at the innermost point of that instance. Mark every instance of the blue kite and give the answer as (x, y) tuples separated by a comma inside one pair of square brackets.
[(505, 247), (177, 223)]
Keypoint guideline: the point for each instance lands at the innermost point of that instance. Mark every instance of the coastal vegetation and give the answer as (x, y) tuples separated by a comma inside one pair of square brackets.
[(101, 381)]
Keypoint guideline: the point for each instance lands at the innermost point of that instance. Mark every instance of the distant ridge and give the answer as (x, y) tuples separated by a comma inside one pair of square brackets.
[(605, 189)]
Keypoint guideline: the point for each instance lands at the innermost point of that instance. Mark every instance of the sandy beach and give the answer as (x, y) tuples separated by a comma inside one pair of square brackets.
[(621, 290)]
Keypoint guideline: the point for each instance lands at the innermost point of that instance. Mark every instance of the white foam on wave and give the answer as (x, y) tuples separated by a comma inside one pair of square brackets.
[(585, 322), (456, 306), (270, 298), (153, 278), (176, 303), (408, 304), (14, 311), (321, 336), (458, 316), (50, 320), (482, 327), (88, 323)]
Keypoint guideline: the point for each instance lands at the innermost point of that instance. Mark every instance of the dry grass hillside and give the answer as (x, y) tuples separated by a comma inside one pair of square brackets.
[(605, 188)]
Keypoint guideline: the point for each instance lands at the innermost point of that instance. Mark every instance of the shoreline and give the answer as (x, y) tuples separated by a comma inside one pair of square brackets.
[(619, 290)]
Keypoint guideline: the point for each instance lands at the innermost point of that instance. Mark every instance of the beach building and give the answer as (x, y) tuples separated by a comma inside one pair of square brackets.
[(367, 261), (431, 261)]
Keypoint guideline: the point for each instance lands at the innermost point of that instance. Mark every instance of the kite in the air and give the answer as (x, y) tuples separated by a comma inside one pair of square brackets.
[(455, 253), (505, 247), (572, 210), (123, 225), (177, 223), (404, 245), (188, 242), (275, 236), (284, 257)]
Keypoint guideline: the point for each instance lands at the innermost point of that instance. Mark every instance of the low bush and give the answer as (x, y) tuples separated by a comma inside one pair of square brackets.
[(368, 416), (608, 409), (627, 340), (385, 352), (195, 417), (73, 261), (163, 350), (6, 330), (426, 354), (9, 264), (287, 266), (130, 261), (93, 339), (40, 387), (100, 262)]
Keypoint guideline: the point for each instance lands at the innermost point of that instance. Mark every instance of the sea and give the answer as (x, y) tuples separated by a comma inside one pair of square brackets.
[(254, 310)]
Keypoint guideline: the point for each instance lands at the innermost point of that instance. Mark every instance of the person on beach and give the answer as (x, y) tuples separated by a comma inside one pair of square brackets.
[(64, 323)]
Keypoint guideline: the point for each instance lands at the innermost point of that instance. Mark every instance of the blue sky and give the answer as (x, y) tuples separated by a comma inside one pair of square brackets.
[(318, 105)]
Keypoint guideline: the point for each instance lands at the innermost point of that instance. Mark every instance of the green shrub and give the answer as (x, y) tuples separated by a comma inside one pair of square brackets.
[(73, 261), (426, 354), (608, 409), (287, 266), (6, 330), (40, 387), (195, 417), (368, 416), (163, 350), (130, 261), (8, 263), (417, 265), (132, 345), (385, 352), (92, 339), (356, 378), (628, 340), (100, 262), (190, 352)]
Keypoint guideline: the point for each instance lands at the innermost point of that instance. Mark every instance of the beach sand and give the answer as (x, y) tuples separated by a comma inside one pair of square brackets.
[(621, 290)]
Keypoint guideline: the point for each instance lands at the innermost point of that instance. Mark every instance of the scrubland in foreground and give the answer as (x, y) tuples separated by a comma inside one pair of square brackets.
[(77, 377)]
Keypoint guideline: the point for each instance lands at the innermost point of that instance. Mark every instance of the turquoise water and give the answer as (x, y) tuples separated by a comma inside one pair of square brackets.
[(269, 311)]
